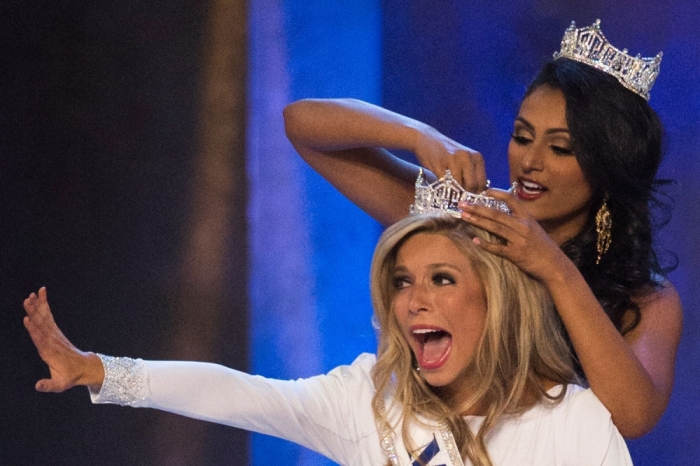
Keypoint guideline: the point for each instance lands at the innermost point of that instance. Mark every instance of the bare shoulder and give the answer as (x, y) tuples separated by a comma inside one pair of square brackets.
[(655, 340), (663, 302), (661, 314)]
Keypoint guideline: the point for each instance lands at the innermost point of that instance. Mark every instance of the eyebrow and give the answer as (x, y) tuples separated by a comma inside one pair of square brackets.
[(402, 268), (548, 131)]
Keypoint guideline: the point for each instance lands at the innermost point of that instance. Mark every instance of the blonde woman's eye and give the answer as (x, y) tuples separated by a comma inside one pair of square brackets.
[(443, 279), (400, 283)]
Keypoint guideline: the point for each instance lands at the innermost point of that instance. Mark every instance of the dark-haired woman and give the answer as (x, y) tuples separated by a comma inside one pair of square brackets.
[(584, 153)]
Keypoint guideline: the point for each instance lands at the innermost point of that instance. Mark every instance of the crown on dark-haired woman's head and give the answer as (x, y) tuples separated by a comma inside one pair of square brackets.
[(588, 45)]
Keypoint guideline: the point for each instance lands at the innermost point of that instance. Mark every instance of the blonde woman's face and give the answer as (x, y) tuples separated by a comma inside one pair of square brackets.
[(440, 308)]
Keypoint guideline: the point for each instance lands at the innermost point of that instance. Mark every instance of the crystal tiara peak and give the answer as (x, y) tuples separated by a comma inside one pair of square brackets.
[(443, 196), (588, 45)]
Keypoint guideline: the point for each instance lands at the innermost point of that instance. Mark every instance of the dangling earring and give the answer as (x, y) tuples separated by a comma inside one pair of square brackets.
[(603, 224)]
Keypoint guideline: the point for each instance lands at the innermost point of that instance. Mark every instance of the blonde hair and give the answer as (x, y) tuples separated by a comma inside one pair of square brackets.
[(522, 343)]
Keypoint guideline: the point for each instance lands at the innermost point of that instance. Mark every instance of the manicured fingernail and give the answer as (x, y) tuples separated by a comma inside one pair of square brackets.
[(476, 241)]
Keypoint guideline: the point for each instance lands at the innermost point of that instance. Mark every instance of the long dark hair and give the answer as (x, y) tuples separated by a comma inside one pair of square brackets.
[(618, 141)]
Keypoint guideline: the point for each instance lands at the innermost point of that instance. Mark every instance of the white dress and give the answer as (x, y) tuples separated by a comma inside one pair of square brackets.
[(332, 414)]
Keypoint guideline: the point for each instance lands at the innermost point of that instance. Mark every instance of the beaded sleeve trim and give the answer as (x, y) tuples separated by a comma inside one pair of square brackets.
[(124, 380)]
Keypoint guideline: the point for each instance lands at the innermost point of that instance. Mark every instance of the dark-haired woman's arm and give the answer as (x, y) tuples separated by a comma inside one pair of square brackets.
[(346, 142), (632, 374)]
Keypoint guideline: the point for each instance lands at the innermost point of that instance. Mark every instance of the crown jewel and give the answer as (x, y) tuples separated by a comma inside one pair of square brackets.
[(444, 195), (588, 45)]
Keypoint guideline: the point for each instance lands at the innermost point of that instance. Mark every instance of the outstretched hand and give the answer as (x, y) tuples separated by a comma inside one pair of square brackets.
[(527, 245), (67, 364), (437, 153)]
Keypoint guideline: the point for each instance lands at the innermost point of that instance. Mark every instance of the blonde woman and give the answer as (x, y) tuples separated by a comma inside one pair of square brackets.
[(471, 367)]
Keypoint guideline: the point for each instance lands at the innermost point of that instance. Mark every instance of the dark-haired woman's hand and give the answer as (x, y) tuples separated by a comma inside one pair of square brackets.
[(526, 244), (438, 153), (68, 365)]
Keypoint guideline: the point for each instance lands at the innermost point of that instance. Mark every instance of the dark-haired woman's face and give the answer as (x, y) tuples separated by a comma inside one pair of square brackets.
[(541, 159)]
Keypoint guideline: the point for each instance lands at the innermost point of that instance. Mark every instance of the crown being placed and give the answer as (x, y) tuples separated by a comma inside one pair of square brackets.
[(444, 195), (588, 45)]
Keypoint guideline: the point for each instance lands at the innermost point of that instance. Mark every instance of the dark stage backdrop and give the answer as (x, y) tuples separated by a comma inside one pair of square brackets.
[(127, 190), (120, 127)]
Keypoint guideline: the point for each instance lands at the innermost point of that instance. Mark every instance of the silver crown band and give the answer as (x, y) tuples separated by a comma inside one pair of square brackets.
[(588, 45), (444, 195)]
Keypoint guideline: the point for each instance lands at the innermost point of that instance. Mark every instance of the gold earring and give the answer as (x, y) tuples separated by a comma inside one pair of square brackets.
[(603, 224)]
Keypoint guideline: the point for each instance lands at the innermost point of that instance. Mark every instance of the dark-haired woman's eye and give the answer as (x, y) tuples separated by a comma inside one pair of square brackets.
[(562, 150), (520, 140)]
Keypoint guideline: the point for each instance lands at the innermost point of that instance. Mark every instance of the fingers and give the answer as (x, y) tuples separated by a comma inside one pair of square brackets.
[(38, 310), (42, 342), (439, 153), (519, 214), (469, 170), (52, 386), (34, 332), (47, 386), (66, 363), (39, 319), (510, 198), (39, 322), (490, 220), (30, 303), (494, 248), (40, 337), (480, 173), (36, 305), (510, 227), (476, 210)]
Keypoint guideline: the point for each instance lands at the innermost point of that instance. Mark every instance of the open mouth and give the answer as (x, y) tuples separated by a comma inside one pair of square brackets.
[(433, 347), (529, 189)]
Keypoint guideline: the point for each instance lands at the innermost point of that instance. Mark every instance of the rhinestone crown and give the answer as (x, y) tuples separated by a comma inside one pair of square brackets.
[(588, 45), (444, 195)]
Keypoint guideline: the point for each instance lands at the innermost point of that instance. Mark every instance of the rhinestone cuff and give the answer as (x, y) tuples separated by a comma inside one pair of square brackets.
[(124, 381)]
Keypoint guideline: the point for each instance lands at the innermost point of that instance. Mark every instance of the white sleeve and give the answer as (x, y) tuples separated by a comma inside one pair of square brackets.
[(591, 438), (329, 413)]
